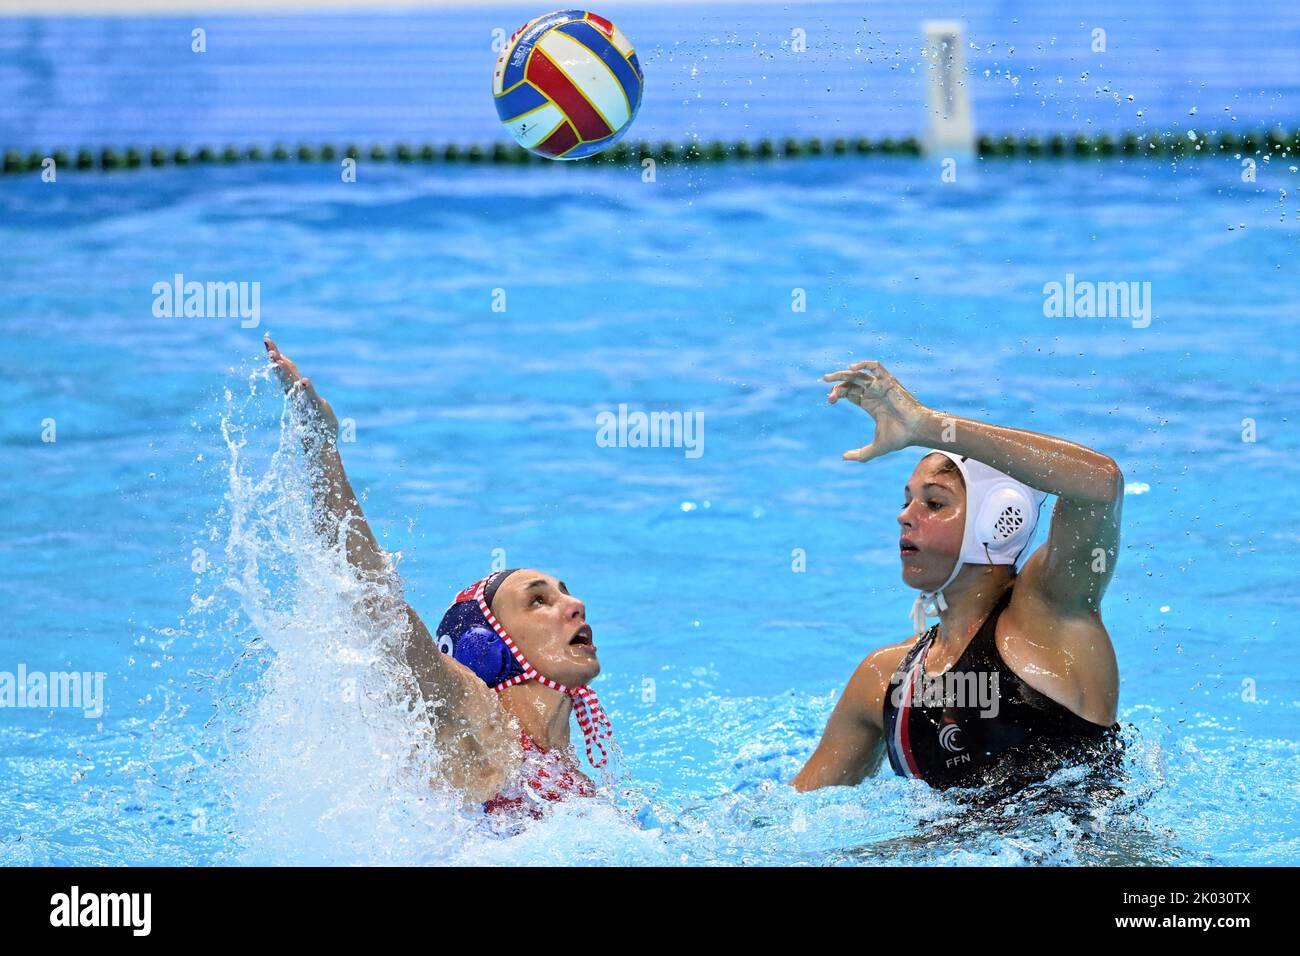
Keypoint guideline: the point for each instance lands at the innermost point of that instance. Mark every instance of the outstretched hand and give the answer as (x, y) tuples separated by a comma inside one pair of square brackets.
[(296, 385), (873, 388)]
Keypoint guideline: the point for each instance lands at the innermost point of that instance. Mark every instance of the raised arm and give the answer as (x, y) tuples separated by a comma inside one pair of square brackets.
[(469, 722), (1072, 569)]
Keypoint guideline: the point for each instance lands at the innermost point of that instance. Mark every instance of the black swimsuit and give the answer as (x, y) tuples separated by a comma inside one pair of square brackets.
[(979, 723)]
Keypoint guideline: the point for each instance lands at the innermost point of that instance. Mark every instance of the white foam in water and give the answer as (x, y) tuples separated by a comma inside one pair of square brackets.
[(329, 761)]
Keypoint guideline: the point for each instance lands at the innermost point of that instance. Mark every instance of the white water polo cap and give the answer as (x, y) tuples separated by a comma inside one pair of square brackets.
[(1001, 516)]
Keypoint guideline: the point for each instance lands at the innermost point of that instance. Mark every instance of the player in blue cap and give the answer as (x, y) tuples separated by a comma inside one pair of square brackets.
[(508, 668)]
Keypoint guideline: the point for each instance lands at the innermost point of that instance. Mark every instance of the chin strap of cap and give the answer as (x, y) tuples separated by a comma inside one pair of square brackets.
[(595, 726), (928, 604)]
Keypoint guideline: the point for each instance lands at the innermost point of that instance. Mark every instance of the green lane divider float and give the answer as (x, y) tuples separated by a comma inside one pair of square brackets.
[(1185, 144)]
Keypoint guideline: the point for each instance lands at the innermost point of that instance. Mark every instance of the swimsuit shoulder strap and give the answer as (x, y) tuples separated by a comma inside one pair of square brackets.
[(902, 673), (915, 651), (988, 630)]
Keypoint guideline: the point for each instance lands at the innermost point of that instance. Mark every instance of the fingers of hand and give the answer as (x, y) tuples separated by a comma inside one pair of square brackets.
[(288, 372), (869, 367), (862, 378), (870, 375), (850, 390), (273, 353)]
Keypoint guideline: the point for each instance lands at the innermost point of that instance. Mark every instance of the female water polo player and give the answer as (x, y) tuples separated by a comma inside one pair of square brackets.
[(509, 667), (1018, 676)]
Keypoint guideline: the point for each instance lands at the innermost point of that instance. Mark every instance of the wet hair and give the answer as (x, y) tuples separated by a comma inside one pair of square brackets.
[(494, 583), (949, 467)]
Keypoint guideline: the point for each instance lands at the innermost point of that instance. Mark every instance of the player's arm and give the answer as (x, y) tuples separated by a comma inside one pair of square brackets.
[(850, 747), (468, 712)]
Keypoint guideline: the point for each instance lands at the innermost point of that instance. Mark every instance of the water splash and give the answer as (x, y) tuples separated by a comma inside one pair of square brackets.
[(325, 742)]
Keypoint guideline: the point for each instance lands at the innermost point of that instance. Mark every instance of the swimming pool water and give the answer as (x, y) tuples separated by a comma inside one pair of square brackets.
[(250, 727)]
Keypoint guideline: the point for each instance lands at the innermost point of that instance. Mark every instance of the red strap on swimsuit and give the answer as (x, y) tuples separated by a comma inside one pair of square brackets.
[(549, 775)]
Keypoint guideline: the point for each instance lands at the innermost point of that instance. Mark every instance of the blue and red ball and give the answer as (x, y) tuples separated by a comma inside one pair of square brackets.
[(567, 85)]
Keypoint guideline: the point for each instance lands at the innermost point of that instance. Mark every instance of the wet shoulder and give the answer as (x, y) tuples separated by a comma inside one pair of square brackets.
[(1069, 660), (871, 682)]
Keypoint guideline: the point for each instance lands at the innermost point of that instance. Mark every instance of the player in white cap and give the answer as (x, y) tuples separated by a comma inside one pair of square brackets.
[(1018, 676)]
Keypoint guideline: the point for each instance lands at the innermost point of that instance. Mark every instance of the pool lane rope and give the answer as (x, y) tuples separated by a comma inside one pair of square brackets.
[(1188, 143)]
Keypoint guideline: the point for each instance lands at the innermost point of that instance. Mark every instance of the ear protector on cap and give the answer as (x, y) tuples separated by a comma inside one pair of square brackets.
[(1006, 520), (469, 638)]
